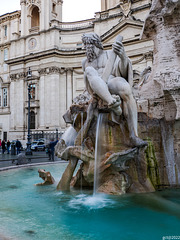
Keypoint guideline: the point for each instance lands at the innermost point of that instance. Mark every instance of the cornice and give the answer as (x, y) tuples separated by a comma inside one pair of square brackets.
[(133, 10), (6, 44), (48, 53), (120, 25), (10, 16)]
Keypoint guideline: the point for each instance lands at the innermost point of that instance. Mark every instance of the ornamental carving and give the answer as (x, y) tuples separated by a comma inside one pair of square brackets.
[(34, 1), (16, 76), (20, 75), (50, 70)]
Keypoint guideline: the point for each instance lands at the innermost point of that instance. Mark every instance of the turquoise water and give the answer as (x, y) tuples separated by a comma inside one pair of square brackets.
[(41, 212)]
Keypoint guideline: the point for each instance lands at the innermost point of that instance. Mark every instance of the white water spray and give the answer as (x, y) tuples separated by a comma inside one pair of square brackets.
[(97, 152)]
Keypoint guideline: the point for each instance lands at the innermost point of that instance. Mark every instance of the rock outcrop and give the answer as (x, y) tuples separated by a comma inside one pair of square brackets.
[(159, 102)]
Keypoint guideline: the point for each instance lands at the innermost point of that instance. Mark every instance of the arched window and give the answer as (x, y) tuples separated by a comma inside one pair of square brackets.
[(32, 120), (35, 17)]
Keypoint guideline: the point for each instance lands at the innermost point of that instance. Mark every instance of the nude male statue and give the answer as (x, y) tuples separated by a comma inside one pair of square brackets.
[(119, 81)]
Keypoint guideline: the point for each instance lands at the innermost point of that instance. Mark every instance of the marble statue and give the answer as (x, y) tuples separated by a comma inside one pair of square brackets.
[(109, 74), (108, 79)]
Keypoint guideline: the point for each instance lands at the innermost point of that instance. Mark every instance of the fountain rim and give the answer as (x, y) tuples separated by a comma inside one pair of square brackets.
[(3, 169)]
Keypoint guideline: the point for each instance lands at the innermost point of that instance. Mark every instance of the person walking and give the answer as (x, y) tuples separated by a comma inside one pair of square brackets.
[(8, 146), (0, 144), (3, 146), (52, 145), (18, 146)]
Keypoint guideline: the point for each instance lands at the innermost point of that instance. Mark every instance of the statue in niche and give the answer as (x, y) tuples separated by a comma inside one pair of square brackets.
[(109, 75)]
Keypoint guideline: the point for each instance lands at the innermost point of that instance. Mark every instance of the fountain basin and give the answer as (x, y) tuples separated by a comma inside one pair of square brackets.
[(41, 212)]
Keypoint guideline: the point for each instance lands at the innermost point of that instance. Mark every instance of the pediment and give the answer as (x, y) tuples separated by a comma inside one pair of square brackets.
[(129, 29)]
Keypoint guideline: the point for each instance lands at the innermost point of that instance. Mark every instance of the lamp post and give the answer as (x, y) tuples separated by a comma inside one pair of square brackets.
[(28, 150)]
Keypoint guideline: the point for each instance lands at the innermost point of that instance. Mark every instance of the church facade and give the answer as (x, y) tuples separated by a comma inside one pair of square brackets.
[(36, 39)]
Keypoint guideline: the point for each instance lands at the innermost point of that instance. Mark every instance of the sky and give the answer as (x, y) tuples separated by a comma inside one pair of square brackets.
[(73, 10)]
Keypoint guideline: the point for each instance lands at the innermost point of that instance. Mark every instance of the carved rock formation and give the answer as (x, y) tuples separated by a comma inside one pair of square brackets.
[(159, 102), (117, 155)]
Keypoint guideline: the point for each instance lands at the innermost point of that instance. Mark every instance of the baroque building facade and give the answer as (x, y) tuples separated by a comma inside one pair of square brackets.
[(35, 37)]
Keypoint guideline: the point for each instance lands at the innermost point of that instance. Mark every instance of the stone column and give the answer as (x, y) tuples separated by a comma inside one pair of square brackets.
[(69, 87), (42, 26), (12, 105), (59, 10), (42, 96), (2, 34), (46, 13), (23, 17), (15, 27)]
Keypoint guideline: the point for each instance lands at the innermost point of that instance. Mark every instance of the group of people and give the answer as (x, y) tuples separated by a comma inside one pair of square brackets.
[(6, 146)]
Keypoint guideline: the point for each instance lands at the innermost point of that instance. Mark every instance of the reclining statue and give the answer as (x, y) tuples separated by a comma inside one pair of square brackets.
[(109, 75), (108, 80)]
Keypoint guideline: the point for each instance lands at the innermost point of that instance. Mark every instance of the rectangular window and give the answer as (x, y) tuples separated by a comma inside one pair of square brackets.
[(4, 97), (5, 54), (32, 120), (5, 136), (5, 30)]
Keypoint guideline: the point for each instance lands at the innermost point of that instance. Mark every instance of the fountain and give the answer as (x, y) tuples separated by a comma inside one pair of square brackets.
[(124, 162), (127, 164)]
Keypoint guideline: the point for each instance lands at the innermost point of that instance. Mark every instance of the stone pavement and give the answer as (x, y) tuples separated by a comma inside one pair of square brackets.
[(8, 161)]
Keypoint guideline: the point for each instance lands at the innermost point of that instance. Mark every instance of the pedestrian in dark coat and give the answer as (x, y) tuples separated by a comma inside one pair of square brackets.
[(18, 146), (0, 144), (52, 144), (8, 146), (3, 146)]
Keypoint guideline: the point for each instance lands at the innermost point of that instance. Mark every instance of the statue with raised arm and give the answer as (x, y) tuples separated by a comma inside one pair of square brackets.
[(108, 79), (109, 74)]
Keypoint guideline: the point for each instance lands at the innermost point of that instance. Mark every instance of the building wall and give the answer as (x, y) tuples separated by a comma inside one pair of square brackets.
[(54, 53)]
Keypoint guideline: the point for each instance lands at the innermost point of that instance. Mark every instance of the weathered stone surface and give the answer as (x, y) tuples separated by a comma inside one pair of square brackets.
[(116, 159), (159, 95), (21, 159), (119, 159), (64, 183), (162, 26)]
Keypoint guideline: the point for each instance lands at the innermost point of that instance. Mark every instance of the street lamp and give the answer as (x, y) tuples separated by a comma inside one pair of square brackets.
[(28, 150)]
